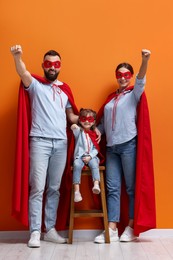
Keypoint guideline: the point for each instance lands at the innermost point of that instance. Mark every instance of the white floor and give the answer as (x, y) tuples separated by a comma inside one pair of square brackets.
[(151, 245)]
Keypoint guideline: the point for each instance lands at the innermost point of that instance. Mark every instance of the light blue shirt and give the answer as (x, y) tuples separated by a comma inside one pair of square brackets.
[(48, 110), (83, 144), (124, 128)]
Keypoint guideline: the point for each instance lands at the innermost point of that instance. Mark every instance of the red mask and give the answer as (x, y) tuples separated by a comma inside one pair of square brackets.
[(90, 119), (126, 75), (48, 64)]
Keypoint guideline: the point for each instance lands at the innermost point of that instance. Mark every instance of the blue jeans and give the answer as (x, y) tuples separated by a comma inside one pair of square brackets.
[(79, 164), (120, 160), (47, 163)]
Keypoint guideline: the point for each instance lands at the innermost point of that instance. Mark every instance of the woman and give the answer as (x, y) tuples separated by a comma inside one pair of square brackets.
[(118, 122)]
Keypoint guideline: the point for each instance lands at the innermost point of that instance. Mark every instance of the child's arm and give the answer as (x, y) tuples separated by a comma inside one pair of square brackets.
[(74, 126), (76, 130)]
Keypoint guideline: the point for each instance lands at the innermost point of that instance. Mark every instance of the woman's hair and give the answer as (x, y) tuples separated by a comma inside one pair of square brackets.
[(85, 112), (125, 65)]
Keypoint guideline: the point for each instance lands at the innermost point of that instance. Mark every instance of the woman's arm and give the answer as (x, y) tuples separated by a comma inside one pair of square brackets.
[(143, 68)]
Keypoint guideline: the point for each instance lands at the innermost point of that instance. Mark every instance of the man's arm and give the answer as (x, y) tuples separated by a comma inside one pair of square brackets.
[(25, 75), (144, 64), (72, 118)]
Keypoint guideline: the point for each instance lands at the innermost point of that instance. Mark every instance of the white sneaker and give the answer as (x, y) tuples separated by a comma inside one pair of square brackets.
[(113, 236), (34, 239), (96, 189), (77, 196), (128, 235), (53, 236)]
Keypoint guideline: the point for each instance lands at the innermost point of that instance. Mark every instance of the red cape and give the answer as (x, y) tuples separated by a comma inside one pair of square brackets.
[(93, 136), (21, 174), (145, 209)]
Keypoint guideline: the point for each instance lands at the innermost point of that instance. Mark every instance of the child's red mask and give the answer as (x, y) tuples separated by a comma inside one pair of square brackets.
[(90, 119)]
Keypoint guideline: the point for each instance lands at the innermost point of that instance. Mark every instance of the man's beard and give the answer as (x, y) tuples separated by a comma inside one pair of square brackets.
[(49, 76)]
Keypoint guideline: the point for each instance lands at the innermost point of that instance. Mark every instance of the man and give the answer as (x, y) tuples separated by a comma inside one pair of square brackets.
[(51, 102)]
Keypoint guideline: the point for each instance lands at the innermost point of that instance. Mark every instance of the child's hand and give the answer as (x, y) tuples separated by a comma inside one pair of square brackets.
[(86, 159), (74, 126)]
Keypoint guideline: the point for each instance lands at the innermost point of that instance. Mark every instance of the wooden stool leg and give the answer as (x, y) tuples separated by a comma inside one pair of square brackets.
[(71, 224), (104, 208)]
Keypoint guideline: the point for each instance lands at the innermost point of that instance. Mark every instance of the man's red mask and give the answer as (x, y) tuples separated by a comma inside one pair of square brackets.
[(48, 64)]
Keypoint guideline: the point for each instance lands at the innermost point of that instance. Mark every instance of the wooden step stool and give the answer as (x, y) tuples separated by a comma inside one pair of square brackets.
[(90, 213)]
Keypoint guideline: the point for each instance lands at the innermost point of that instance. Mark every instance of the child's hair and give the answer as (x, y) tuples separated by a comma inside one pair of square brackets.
[(84, 112)]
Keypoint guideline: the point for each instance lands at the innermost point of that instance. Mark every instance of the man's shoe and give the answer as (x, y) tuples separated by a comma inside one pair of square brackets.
[(34, 239), (113, 236), (77, 196), (53, 236), (96, 189), (128, 235)]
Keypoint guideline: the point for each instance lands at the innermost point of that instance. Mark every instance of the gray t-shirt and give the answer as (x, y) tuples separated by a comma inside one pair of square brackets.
[(48, 110), (124, 127)]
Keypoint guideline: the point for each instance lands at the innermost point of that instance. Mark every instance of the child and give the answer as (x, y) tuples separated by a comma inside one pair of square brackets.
[(86, 151)]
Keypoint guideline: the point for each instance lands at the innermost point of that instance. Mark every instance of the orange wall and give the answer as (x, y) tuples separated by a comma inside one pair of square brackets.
[(92, 36)]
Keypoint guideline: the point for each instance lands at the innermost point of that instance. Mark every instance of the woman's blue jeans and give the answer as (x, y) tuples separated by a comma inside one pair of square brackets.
[(120, 161), (47, 163)]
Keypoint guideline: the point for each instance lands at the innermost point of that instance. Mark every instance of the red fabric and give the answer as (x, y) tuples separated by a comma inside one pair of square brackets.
[(145, 209), (93, 136), (21, 174)]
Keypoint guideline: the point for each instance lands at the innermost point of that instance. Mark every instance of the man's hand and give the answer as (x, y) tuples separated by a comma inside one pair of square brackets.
[(25, 75), (16, 50)]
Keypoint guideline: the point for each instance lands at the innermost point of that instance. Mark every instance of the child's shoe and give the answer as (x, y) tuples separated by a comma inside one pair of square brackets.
[(96, 189), (77, 196)]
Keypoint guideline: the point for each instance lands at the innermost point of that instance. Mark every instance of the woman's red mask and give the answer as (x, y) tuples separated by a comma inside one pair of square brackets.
[(126, 75)]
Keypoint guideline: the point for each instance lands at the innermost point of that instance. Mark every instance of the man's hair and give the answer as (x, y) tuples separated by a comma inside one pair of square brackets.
[(125, 65), (52, 53)]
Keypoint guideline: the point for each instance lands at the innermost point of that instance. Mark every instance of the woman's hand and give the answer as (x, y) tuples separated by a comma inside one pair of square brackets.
[(146, 54), (98, 135)]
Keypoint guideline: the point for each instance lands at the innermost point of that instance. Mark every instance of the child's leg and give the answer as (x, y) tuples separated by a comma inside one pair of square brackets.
[(76, 187), (77, 168), (94, 166)]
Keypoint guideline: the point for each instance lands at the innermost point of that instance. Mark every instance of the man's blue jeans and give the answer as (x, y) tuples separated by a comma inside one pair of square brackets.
[(47, 163), (120, 161)]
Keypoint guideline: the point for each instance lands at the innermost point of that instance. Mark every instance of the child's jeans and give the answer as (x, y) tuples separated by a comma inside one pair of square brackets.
[(78, 166)]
